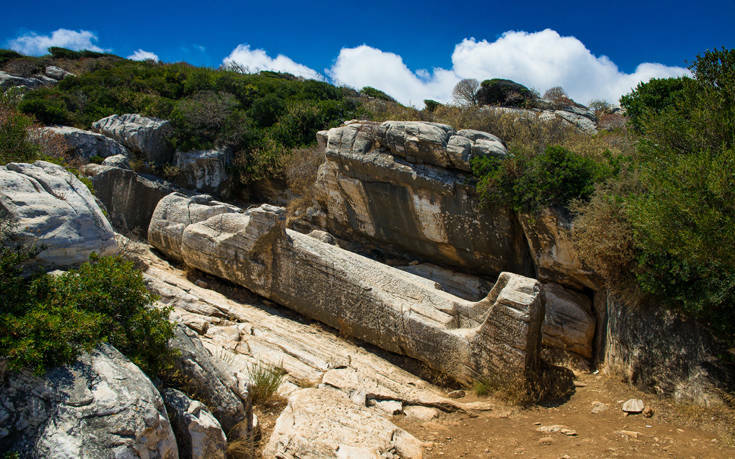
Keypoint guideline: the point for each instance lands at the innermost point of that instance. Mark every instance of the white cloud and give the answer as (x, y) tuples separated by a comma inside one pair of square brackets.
[(255, 60), (538, 60), (33, 44), (141, 55)]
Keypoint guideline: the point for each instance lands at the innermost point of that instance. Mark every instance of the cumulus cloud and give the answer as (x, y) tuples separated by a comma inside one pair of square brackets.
[(141, 55), (539, 60), (33, 44), (255, 60)]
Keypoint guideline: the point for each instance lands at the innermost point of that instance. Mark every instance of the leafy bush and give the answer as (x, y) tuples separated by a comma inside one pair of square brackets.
[(649, 99), (48, 320), (376, 93), (431, 105), (6, 55), (15, 143), (69, 54), (528, 182), (505, 93)]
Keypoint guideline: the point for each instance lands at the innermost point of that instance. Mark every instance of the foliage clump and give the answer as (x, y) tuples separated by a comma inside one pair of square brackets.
[(505, 93), (48, 320)]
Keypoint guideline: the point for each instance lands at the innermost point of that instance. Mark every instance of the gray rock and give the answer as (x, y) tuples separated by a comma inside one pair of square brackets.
[(382, 305), (325, 423), (174, 213), (556, 259), (205, 377), (84, 144), (130, 198), (144, 135), (371, 192), (8, 81), (202, 170), (102, 405), (569, 323), (323, 236), (57, 73), (198, 434), (598, 407), (634, 405), (120, 161), (55, 211)]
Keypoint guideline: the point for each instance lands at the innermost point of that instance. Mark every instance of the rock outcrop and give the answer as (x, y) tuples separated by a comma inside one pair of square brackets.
[(130, 198), (102, 405), (555, 257), (57, 73), (569, 323), (198, 434), (205, 377), (141, 134), (8, 81), (83, 145), (202, 170), (405, 187), (580, 118), (395, 310), (120, 161), (56, 212), (325, 423)]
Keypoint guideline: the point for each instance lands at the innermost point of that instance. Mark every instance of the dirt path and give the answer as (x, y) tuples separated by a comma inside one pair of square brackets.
[(672, 431)]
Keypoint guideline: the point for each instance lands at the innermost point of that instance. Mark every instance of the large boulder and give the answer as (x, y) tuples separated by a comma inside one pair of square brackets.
[(83, 145), (57, 73), (198, 434), (56, 212), (204, 170), (326, 423), (141, 134), (8, 81), (130, 198), (372, 191), (102, 405), (203, 375)]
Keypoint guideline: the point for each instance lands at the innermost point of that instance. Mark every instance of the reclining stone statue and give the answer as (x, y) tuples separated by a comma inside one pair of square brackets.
[(497, 337)]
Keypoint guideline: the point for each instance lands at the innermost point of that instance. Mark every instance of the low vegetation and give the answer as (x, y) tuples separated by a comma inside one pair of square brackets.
[(264, 381), (47, 320)]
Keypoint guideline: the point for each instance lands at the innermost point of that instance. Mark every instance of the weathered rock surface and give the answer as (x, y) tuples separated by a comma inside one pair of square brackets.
[(205, 377), (202, 170), (85, 144), (120, 161), (130, 198), (569, 323), (658, 350), (326, 423), (57, 73), (387, 307), (8, 81), (553, 251), (55, 211), (371, 190), (141, 134), (458, 284), (198, 434), (177, 211), (581, 118), (102, 405)]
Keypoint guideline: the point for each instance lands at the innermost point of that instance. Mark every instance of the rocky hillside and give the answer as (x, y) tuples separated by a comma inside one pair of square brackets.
[(345, 284)]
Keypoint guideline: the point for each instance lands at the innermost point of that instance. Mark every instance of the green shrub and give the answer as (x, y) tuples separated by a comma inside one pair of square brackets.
[(15, 144), (7, 54), (650, 98), (376, 93), (505, 93), (48, 320), (69, 54), (431, 105), (528, 182)]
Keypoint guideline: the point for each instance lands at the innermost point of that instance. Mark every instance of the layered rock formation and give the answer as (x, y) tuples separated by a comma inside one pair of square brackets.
[(499, 335), (404, 186), (141, 134), (56, 212), (198, 434), (102, 405), (326, 423)]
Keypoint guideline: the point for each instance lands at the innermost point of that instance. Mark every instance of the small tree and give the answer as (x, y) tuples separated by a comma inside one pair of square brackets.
[(431, 105), (465, 92), (555, 93)]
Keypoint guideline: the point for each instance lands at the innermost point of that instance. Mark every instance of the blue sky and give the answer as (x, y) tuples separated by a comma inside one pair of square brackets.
[(412, 50)]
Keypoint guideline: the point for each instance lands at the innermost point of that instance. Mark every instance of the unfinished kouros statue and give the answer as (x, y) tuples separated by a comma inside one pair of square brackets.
[(395, 310)]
